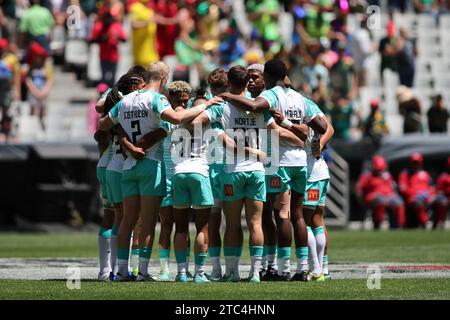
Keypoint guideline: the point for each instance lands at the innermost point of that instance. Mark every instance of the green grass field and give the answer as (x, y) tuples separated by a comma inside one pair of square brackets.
[(345, 247)]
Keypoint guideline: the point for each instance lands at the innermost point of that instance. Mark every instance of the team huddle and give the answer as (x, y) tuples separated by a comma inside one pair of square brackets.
[(248, 143)]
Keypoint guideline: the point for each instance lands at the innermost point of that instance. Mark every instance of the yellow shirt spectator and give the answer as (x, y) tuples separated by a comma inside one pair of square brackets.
[(143, 34)]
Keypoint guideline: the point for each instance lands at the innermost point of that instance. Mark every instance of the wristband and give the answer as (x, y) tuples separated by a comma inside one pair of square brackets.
[(286, 123)]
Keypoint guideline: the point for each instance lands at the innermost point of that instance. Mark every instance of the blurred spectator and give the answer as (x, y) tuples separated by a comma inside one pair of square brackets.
[(401, 5), (318, 19), (376, 189), (36, 24), (438, 116), (93, 115), (409, 106), (340, 114), (415, 185), (443, 196), (314, 70), (387, 49), (166, 34), (342, 78), (39, 80), (144, 32), (362, 47), (9, 84), (264, 15), (108, 33), (406, 55), (375, 126)]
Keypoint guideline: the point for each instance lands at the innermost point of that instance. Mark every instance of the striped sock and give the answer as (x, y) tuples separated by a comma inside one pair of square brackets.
[(237, 258), (200, 263), (284, 259), (264, 260), (256, 253), (188, 255), (229, 253), (302, 259), (144, 259), (180, 257), (164, 256)]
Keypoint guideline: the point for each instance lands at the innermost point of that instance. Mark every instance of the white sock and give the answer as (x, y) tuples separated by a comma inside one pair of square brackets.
[(199, 269), (315, 265), (265, 262), (216, 267), (271, 260), (187, 263), (325, 264), (134, 264), (164, 263), (104, 250), (123, 267), (320, 245), (236, 266), (143, 265), (256, 265), (229, 265), (284, 265), (181, 267), (114, 263)]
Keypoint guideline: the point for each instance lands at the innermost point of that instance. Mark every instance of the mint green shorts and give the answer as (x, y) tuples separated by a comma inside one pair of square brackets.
[(146, 178), (167, 201), (316, 193), (216, 173), (114, 186), (240, 185), (278, 182), (297, 178), (191, 189), (101, 176)]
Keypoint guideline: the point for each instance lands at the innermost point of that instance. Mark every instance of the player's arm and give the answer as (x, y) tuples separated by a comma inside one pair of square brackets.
[(187, 115), (300, 130), (230, 144), (129, 148), (151, 138), (286, 136), (318, 146), (259, 104), (111, 119)]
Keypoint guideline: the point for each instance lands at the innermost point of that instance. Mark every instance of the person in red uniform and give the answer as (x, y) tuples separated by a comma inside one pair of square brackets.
[(443, 197), (166, 34), (376, 189), (415, 185)]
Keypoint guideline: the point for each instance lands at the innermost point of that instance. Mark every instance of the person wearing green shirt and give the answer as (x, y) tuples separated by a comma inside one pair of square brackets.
[(37, 23)]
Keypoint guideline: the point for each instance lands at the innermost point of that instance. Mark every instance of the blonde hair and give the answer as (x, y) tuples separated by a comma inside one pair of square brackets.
[(158, 70), (179, 86)]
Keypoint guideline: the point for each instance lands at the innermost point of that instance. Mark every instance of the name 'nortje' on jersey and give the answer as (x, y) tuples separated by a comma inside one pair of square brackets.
[(245, 121), (135, 114)]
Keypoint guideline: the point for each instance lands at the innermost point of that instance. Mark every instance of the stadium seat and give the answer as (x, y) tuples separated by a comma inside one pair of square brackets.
[(395, 124), (406, 20), (29, 129), (77, 52), (94, 72), (426, 21)]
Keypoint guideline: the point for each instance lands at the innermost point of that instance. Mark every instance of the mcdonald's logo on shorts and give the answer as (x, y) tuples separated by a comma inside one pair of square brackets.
[(275, 182), (313, 195), (228, 190)]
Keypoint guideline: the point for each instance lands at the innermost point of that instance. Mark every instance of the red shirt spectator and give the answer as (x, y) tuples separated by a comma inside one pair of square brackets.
[(370, 185), (443, 182), (108, 35), (166, 34)]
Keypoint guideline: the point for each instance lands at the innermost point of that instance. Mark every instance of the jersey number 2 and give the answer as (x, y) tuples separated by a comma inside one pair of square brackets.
[(137, 130)]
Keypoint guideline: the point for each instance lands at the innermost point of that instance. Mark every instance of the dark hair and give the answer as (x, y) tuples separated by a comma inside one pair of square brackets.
[(201, 93), (276, 69), (218, 79), (238, 76), (141, 72), (111, 100), (126, 82)]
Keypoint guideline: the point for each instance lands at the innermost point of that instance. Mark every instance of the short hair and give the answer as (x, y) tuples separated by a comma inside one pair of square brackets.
[(179, 86), (141, 72), (276, 69), (238, 76), (256, 66), (157, 70), (218, 78)]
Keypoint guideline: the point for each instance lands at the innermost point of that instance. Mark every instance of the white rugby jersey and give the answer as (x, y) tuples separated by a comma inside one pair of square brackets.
[(239, 124), (105, 157), (188, 149), (117, 158), (317, 168), (296, 109), (140, 113)]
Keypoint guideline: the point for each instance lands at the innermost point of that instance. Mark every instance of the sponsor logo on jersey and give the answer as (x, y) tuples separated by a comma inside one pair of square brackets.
[(313, 195), (228, 190), (135, 114), (275, 182)]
